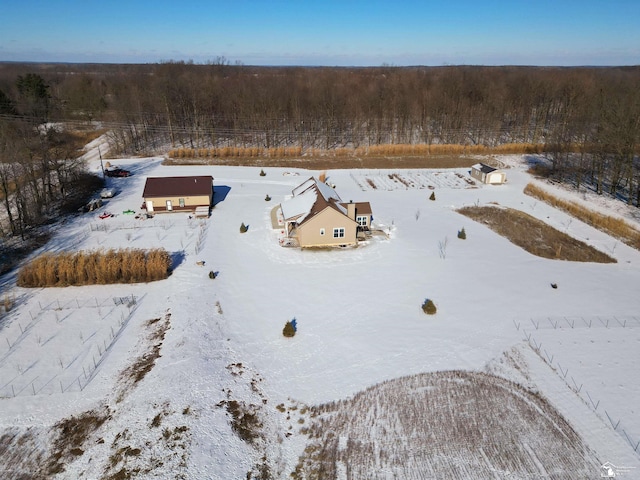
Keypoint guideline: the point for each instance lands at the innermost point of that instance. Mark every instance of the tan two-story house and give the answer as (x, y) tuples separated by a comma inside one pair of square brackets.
[(316, 216)]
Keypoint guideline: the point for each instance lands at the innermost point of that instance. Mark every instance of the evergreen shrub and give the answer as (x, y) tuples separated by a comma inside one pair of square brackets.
[(288, 330), (429, 307)]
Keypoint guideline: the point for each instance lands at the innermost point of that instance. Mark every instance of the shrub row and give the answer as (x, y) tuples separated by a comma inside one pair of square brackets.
[(98, 267), (369, 151), (613, 226)]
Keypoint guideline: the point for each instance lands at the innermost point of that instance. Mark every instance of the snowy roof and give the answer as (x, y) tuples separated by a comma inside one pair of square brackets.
[(327, 192), (299, 205), (309, 198), (322, 188), (484, 168)]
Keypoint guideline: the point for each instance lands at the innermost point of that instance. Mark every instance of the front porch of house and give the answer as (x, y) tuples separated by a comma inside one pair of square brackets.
[(198, 210)]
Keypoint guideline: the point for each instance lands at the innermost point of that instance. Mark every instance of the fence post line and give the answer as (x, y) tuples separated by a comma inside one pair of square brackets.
[(615, 427)]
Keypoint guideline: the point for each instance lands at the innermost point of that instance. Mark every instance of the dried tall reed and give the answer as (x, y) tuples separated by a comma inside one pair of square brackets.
[(366, 151), (100, 267), (616, 227)]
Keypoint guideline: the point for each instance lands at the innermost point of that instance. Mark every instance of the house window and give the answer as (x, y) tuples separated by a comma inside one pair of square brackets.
[(181, 202), (322, 231), (362, 220), (338, 233)]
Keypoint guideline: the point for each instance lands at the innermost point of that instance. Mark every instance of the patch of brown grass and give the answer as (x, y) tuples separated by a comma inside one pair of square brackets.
[(535, 236), (347, 157), (20, 454), (78, 139), (616, 227), (374, 157), (144, 363), (72, 433), (245, 421), (451, 424), (318, 162)]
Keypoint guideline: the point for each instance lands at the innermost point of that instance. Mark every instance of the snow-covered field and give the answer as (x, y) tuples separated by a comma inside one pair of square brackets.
[(63, 351)]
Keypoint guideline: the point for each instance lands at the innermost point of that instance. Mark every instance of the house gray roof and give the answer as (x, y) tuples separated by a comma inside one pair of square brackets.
[(178, 186), (309, 198), (312, 197), (484, 168)]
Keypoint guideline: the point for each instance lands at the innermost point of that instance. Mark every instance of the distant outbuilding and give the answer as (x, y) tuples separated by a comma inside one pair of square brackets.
[(488, 174), (171, 194)]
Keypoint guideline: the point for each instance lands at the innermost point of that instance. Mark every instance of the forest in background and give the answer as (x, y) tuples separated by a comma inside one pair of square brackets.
[(585, 120)]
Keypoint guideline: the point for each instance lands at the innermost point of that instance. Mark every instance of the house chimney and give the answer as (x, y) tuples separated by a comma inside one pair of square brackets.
[(351, 210)]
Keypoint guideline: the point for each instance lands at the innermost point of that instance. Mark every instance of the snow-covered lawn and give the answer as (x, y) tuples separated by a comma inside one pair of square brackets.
[(358, 313), (602, 375), (410, 179), (57, 346)]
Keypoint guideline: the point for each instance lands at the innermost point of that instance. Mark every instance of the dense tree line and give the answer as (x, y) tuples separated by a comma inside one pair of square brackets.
[(587, 119), (40, 175), (182, 104)]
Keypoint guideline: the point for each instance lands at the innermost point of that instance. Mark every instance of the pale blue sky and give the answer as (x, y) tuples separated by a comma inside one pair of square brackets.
[(329, 32)]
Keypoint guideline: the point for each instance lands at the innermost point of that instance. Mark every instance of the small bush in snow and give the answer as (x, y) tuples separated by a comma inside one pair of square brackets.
[(8, 303), (267, 198), (212, 275), (429, 307), (243, 228), (289, 329), (462, 235), (262, 174), (433, 196)]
